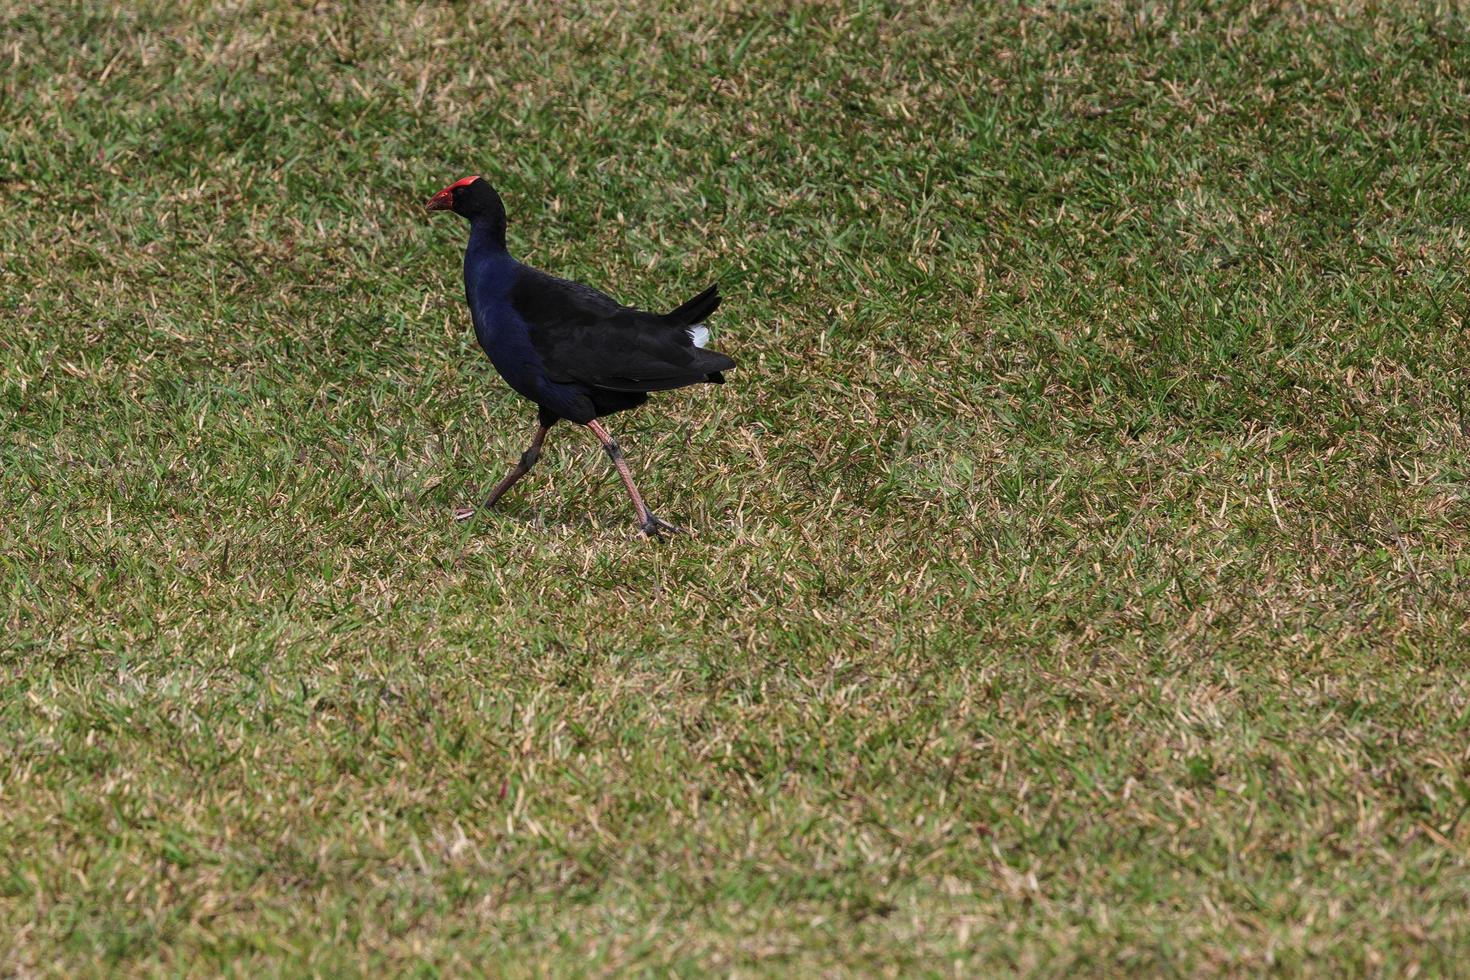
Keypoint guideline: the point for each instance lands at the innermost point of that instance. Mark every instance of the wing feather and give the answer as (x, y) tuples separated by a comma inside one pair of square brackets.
[(583, 335)]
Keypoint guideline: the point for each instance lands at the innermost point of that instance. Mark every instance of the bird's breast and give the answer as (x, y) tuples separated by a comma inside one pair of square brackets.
[(505, 339)]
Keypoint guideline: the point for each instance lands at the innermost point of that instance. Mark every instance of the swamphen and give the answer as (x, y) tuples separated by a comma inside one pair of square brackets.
[(573, 350)]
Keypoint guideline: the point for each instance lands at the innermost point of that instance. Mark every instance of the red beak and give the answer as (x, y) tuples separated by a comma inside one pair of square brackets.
[(442, 201)]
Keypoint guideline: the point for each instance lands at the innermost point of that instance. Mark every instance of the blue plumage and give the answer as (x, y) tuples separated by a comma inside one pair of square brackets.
[(504, 335), (573, 350)]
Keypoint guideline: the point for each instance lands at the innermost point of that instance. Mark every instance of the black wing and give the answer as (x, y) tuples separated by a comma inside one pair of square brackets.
[(583, 335)]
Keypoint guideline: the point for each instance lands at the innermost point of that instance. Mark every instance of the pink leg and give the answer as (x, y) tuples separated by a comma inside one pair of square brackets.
[(648, 522), (522, 467)]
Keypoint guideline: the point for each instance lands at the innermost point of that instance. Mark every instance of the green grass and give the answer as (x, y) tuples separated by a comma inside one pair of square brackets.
[(1079, 574)]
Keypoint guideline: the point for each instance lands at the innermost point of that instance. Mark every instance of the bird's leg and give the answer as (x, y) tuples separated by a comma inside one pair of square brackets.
[(522, 467), (648, 522)]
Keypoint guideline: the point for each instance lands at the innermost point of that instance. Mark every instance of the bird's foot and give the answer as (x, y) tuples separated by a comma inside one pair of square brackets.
[(464, 513), (656, 527)]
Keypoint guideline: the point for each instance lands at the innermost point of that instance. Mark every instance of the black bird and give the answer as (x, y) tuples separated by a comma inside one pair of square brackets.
[(573, 350)]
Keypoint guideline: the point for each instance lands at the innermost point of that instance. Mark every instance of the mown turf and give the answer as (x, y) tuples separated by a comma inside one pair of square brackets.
[(1078, 577)]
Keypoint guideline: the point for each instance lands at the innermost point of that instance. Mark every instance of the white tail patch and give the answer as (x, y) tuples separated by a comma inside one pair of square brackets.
[(699, 333)]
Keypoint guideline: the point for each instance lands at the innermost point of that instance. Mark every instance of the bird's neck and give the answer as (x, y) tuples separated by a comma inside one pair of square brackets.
[(487, 233)]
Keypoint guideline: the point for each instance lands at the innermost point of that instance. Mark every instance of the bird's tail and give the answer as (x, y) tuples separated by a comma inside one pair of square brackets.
[(696, 309)]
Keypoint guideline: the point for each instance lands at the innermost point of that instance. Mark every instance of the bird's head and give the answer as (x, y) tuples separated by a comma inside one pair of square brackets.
[(470, 197)]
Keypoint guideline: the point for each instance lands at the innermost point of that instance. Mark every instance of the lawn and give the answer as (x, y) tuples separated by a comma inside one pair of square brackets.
[(1077, 577)]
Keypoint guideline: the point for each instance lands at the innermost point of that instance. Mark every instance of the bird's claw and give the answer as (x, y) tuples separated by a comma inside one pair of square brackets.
[(655, 527)]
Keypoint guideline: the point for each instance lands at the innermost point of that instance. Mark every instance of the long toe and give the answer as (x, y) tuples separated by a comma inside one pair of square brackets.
[(463, 513), (656, 527)]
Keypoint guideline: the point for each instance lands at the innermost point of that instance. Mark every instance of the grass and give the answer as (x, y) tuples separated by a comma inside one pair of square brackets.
[(1078, 580)]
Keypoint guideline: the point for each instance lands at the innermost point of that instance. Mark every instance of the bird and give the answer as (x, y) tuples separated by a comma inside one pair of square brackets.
[(573, 350)]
